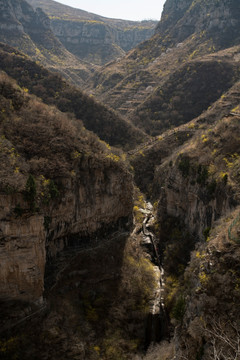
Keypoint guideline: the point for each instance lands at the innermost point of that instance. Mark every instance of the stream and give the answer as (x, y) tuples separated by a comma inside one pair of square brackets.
[(156, 323)]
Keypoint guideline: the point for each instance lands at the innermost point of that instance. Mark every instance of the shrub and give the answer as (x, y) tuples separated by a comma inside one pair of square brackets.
[(202, 175), (184, 166), (179, 308), (18, 210), (30, 192), (206, 232)]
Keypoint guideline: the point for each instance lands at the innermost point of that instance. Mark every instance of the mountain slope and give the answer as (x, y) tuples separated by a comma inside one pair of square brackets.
[(46, 158), (188, 91), (29, 31), (218, 20), (192, 174), (91, 37), (53, 90), (142, 74)]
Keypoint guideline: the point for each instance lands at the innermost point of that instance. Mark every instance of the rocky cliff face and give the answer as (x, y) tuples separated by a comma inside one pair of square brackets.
[(192, 173), (98, 42), (29, 31), (210, 322), (89, 193), (91, 41), (20, 23), (22, 253), (98, 201), (218, 19), (187, 32), (91, 37)]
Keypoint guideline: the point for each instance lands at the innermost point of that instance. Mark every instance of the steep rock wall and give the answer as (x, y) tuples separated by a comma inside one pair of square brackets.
[(190, 203), (96, 199), (96, 41), (219, 19), (22, 253), (21, 26)]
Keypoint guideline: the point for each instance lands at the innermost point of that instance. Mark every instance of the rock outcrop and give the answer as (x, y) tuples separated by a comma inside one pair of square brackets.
[(188, 32), (29, 31), (59, 185), (96, 203), (219, 20), (91, 37), (22, 253)]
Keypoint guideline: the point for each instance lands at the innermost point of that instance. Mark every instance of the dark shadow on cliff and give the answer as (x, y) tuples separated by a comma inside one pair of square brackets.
[(80, 303)]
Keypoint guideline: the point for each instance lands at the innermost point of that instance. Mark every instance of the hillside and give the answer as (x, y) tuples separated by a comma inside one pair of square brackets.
[(53, 90), (29, 31), (134, 85), (120, 236), (91, 37), (192, 176), (46, 158)]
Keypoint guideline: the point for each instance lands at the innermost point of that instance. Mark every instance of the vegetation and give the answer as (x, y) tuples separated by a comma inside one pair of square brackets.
[(54, 91), (185, 95), (30, 192)]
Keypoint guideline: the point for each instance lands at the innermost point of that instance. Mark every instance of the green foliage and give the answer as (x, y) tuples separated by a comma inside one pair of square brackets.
[(202, 175), (206, 232), (179, 308), (225, 179), (184, 165), (53, 190), (30, 192), (18, 210)]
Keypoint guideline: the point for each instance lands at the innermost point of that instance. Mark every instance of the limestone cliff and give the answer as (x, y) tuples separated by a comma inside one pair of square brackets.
[(91, 41), (58, 185), (192, 173), (91, 37), (29, 31), (217, 19), (99, 42), (22, 253), (98, 200)]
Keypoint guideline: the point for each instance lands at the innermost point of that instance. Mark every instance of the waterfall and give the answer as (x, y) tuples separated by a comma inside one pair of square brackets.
[(156, 323)]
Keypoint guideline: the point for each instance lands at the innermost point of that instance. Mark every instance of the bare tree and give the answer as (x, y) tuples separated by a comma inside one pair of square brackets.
[(225, 340)]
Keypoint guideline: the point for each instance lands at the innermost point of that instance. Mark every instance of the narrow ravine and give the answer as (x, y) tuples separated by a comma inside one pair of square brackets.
[(156, 327)]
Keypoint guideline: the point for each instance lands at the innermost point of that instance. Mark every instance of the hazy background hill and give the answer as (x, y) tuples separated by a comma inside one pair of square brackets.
[(91, 37)]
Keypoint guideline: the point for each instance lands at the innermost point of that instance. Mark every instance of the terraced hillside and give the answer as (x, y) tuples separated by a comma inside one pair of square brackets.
[(154, 67)]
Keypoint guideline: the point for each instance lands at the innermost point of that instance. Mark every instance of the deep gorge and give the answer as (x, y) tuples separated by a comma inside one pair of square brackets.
[(119, 206)]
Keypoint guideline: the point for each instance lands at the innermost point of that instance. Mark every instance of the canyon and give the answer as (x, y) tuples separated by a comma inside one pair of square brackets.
[(119, 205)]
